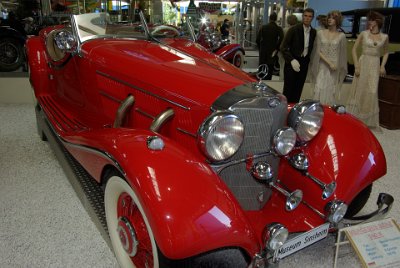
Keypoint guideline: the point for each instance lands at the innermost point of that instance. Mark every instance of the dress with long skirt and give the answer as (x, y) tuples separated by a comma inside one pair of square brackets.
[(327, 83), (363, 97)]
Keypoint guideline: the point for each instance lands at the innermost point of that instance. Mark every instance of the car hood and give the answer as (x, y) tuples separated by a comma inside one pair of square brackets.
[(178, 69)]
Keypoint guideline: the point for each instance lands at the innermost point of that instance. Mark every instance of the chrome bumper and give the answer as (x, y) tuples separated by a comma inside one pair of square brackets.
[(384, 202)]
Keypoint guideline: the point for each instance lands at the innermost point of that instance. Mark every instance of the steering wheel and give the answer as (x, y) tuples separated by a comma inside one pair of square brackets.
[(165, 31)]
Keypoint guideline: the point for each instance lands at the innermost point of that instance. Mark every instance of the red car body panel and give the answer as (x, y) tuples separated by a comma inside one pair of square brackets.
[(188, 206)]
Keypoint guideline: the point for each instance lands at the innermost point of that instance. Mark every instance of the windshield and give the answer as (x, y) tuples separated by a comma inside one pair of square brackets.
[(100, 25)]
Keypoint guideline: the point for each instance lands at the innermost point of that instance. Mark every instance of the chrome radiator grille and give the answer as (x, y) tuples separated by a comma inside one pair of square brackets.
[(261, 123)]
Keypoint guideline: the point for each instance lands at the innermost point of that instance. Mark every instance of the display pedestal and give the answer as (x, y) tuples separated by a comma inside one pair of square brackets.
[(389, 101)]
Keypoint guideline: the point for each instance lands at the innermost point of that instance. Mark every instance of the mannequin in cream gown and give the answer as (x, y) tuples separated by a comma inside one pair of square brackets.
[(363, 97), (329, 61)]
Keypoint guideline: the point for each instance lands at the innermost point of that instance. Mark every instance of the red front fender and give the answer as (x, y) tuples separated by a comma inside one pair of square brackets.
[(345, 151), (189, 209), (38, 68)]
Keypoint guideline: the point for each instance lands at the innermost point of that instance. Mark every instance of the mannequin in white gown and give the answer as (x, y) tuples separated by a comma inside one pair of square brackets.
[(363, 97), (329, 61)]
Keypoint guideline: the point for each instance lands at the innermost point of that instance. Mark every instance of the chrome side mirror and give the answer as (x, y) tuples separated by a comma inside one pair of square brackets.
[(65, 41)]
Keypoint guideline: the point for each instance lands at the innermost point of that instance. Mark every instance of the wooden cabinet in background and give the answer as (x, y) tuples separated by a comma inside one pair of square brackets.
[(389, 101)]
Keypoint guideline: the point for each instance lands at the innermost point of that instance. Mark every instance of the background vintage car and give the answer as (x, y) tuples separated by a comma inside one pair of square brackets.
[(355, 21), (201, 164), (12, 40)]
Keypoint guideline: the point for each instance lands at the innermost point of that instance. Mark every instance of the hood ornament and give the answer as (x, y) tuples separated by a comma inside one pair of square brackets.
[(262, 72)]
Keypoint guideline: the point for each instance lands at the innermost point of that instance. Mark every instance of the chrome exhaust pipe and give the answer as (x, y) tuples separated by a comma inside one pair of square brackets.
[(300, 162)]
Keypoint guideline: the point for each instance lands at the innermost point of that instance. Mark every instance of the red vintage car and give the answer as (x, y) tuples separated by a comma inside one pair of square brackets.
[(213, 41), (202, 165)]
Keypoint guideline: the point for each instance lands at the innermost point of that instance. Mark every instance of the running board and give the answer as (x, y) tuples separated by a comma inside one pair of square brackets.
[(86, 188)]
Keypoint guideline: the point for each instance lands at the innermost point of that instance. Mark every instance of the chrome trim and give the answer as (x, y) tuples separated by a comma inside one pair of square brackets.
[(144, 113), (293, 199), (319, 213), (332, 207), (191, 30), (270, 233), (132, 234), (96, 151), (122, 110), (242, 93), (161, 119), (219, 167), (187, 132), (300, 162), (276, 140), (109, 96), (340, 109), (207, 127), (262, 72), (155, 143), (144, 23), (297, 113), (142, 90), (262, 171), (384, 203)]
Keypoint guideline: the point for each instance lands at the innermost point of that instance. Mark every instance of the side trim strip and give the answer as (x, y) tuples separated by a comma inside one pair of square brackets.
[(142, 90), (96, 151)]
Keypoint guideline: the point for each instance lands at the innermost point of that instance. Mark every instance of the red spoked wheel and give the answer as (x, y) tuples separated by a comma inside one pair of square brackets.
[(131, 235)]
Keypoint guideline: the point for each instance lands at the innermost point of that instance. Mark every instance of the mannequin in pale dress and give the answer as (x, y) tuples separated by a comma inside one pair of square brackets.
[(329, 61), (363, 100)]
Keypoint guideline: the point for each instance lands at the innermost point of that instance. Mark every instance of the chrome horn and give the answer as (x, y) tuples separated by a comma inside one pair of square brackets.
[(293, 199), (300, 162), (262, 171)]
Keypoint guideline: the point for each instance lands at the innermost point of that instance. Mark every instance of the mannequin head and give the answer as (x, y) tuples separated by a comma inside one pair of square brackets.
[(308, 16), (375, 21), (335, 18)]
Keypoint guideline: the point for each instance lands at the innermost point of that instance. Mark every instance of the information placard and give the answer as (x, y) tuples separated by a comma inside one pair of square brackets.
[(376, 243)]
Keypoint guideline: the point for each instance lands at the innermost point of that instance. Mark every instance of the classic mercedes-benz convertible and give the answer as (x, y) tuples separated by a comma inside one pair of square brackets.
[(202, 165)]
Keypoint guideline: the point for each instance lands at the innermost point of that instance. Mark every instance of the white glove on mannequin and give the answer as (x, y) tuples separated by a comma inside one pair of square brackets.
[(295, 65)]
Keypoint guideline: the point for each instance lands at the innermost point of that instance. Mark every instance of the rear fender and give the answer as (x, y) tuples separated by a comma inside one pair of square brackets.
[(227, 52), (188, 207), (345, 151)]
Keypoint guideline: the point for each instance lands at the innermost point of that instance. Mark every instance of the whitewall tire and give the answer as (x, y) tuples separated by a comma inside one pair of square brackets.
[(131, 235)]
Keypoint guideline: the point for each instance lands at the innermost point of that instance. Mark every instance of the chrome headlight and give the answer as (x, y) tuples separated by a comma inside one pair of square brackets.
[(275, 235), (284, 141), (306, 119), (335, 211), (221, 135)]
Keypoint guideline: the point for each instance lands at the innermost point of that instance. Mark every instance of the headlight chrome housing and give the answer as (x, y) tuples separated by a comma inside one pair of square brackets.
[(335, 211), (220, 136), (275, 235), (284, 141), (306, 119)]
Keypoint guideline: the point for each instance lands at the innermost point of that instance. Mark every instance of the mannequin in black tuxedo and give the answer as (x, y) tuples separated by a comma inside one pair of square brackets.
[(296, 50)]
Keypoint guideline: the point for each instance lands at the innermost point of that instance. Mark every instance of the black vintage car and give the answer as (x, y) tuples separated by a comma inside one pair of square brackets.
[(12, 42), (355, 21)]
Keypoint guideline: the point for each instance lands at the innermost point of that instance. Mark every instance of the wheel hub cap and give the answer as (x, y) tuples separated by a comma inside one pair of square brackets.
[(127, 236)]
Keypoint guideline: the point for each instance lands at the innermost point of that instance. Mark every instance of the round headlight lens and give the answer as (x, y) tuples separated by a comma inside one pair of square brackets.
[(221, 135), (306, 119), (275, 236), (336, 211), (284, 141)]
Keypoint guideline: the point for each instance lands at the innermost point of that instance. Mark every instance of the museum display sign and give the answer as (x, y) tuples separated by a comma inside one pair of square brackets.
[(201, 164)]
